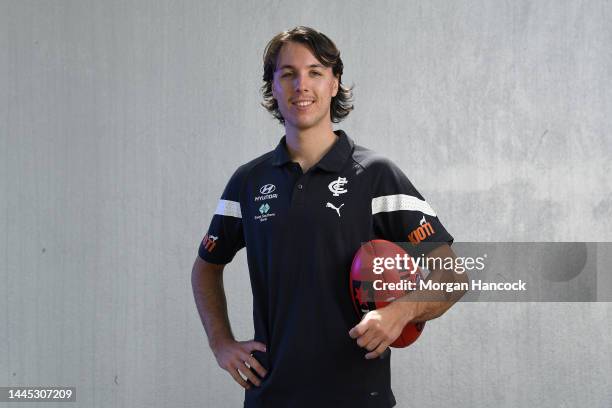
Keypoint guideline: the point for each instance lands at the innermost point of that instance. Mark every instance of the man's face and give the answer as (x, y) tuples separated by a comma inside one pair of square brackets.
[(303, 87)]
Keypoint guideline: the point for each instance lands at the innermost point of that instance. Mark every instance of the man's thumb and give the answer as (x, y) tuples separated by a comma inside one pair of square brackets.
[(255, 345)]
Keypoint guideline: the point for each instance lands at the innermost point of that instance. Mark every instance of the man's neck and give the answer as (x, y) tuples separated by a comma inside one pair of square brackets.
[(308, 146)]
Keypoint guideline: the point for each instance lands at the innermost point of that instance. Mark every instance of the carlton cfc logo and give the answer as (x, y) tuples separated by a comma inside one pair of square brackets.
[(337, 186), (267, 189)]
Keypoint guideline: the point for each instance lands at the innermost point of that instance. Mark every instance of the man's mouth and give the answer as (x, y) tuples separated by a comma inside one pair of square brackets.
[(303, 103)]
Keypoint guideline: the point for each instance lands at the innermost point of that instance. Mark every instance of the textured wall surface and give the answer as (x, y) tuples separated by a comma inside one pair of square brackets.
[(120, 123)]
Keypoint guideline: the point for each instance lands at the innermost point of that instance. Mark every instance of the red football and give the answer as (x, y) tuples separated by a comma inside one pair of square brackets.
[(375, 281)]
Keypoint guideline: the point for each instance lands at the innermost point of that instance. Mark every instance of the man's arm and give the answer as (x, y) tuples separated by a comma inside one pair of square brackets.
[(209, 294), (233, 356), (420, 306), (379, 328)]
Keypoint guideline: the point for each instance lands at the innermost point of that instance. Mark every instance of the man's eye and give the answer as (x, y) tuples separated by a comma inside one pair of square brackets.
[(286, 74), (315, 73)]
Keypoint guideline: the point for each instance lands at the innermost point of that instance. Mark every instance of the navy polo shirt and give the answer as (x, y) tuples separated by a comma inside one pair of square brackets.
[(301, 231)]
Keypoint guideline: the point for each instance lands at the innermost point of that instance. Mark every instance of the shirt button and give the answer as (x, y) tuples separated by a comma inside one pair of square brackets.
[(300, 186)]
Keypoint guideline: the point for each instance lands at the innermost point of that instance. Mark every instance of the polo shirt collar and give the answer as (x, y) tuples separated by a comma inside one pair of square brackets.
[(333, 160)]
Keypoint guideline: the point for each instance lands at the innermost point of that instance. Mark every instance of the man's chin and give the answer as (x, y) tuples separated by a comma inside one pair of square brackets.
[(305, 124)]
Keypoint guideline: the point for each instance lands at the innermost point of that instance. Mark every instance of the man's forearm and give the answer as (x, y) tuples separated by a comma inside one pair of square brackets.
[(423, 305), (211, 303)]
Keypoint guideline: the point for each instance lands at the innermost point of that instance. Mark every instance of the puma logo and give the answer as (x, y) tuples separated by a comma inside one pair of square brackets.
[(330, 205)]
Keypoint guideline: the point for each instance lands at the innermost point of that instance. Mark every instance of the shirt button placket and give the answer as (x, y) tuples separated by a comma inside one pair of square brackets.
[(299, 190)]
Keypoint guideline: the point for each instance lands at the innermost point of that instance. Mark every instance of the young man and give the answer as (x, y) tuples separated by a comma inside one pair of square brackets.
[(302, 211)]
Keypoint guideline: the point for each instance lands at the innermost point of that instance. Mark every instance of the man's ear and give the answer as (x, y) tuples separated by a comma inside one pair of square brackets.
[(335, 86)]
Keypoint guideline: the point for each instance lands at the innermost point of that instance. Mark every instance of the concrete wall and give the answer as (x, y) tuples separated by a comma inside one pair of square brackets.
[(120, 123)]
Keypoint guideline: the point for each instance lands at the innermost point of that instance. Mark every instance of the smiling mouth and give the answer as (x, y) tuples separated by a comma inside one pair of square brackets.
[(303, 104)]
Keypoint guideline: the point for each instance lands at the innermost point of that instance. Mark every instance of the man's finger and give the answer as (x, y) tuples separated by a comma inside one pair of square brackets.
[(373, 344), (254, 345), (359, 330), (379, 350), (238, 378), (250, 375), (363, 340), (252, 361)]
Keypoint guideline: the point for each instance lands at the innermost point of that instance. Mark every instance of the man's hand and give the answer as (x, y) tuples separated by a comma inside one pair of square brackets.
[(237, 359), (233, 356), (378, 329)]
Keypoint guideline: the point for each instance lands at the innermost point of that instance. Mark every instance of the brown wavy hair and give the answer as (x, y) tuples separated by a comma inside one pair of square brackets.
[(325, 51)]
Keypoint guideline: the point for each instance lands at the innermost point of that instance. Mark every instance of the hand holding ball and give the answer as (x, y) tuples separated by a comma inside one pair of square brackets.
[(375, 283)]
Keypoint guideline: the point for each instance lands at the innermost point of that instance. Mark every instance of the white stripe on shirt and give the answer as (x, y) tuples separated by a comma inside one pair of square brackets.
[(229, 208), (398, 202)]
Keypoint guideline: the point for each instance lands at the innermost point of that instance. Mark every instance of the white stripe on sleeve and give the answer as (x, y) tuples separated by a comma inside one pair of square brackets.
[(229, 208), (398, 202)]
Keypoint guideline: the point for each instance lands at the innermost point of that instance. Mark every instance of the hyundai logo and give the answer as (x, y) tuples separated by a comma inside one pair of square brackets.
[(267, 189)]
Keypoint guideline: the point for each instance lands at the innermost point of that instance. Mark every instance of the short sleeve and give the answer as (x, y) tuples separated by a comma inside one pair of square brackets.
[(401, 214), (225, 235)]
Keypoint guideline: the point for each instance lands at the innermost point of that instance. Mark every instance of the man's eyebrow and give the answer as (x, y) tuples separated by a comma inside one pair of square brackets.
[(286, 66)]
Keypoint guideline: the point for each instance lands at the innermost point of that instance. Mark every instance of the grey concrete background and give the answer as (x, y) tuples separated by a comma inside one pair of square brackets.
[(120, 123)]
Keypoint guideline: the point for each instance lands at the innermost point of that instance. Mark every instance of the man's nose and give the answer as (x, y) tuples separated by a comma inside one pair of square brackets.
[(301, 83)]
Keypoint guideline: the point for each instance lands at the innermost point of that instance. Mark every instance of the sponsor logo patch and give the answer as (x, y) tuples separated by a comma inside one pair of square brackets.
[(210, 242), (264, 211), (423, 231), (267, 189), (266, 192), (264, 208)]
